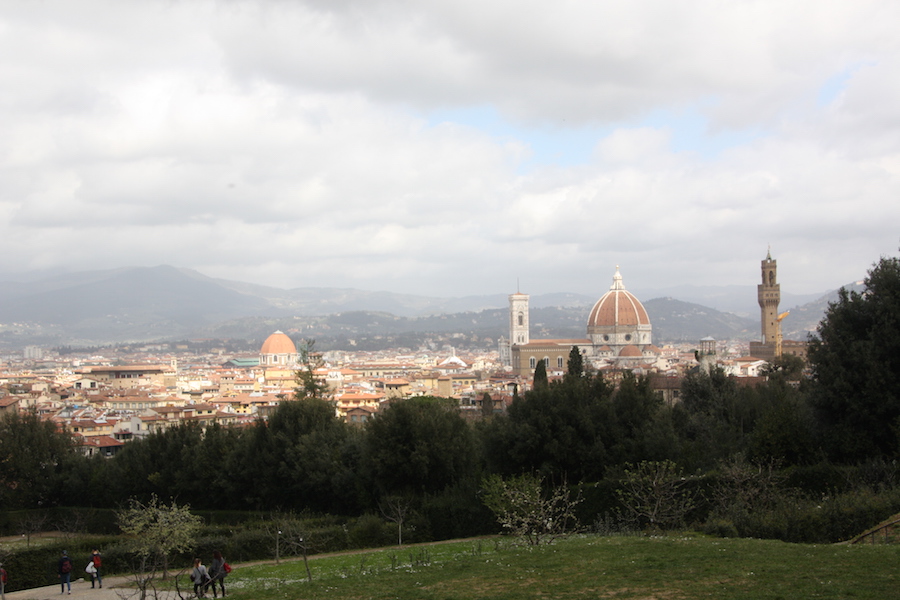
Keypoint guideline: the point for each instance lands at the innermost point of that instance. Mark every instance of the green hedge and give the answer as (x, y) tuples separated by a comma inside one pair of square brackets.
[(38, 566), (831, 519), (96, 521)]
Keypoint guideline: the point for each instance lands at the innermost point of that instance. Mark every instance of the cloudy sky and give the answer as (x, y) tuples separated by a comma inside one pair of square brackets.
[(452, 147)]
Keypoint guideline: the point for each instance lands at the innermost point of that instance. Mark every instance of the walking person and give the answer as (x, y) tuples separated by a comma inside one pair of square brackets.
[(96, 563), (200, 577), (217, 573), (64, 570), (3, 583)]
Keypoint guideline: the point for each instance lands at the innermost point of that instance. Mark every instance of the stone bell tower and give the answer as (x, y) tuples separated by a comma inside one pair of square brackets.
[(769, 295), (518, 319)]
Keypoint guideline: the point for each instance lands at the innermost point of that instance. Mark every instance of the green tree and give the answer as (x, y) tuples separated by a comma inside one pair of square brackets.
[(157, 530), (559, 430), (308, 384), (855, 359), (32, 455), (785, 431), (713, 418), (166, 463), (487, 406), (575, 364), (419, 445), (787, 367), (540, 375), (302, 457), (638, 435)]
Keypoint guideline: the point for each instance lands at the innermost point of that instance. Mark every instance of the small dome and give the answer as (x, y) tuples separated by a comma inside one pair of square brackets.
[(618, 307), (630, 351), (278, 343)]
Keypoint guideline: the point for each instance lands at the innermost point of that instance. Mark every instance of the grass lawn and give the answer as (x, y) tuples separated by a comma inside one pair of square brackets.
[(669, 567)]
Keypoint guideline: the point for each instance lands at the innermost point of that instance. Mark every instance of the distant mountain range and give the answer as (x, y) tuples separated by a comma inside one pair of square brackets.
[(166, 303)]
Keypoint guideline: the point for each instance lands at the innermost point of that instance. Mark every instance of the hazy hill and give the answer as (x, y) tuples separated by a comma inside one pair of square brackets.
[(139, 304)]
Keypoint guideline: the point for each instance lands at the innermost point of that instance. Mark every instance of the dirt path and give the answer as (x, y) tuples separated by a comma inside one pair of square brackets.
[(113, 589)]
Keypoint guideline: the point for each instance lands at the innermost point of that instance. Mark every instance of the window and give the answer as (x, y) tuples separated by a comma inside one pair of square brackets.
[(532, 362), (559, 362), (521, 319)]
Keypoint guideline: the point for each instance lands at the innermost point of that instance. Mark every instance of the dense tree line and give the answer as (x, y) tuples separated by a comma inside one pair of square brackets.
[(581, 429)]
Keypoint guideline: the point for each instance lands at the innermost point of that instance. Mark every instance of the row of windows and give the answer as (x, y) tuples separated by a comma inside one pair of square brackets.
[(532, 362)]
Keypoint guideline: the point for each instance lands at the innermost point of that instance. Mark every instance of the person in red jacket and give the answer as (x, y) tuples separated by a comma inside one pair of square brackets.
[(95, 574)]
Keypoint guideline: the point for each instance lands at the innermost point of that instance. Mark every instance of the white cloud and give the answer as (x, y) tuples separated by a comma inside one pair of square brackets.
[(285, 142)]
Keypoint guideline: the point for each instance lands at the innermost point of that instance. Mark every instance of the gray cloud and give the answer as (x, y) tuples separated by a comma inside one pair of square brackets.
[(288, 143)]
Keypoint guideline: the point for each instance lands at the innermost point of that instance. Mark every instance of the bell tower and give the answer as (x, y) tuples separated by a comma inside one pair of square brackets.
[(769, 295), (518, 319)]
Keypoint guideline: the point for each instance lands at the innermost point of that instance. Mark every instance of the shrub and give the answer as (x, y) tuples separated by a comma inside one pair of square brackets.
[(370, 531), (720, 528)]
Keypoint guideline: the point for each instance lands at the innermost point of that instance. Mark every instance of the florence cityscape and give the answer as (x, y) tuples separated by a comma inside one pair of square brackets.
[(449, 299)]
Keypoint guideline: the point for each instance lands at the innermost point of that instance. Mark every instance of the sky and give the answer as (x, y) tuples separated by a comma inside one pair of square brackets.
[(452, 148)]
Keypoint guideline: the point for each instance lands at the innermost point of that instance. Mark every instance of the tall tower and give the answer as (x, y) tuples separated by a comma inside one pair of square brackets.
[(769, 295), (518, 319)]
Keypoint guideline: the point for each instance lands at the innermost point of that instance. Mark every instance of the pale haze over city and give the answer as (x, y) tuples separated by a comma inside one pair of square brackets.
[(452, 148)]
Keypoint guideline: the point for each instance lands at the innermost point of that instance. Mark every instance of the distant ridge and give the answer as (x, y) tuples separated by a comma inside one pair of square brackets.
[(165, 302)]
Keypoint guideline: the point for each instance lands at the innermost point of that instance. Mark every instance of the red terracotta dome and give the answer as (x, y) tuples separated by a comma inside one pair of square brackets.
[(631, 351), (618, 307), (278, 343)]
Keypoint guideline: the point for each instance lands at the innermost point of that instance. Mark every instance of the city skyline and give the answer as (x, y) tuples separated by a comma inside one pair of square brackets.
[(451, 149)]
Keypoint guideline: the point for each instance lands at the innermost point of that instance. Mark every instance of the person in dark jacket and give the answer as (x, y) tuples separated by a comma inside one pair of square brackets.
[(217, 573), (64, 570)]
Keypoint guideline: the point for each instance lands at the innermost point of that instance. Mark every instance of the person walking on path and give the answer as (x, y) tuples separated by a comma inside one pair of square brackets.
[(217, 573), (64, 570), (200, 577), (96, 563), (3, 583)]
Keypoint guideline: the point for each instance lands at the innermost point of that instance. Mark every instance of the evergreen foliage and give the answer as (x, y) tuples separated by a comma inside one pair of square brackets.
[(855, 358), (540, 375), (33, 454)]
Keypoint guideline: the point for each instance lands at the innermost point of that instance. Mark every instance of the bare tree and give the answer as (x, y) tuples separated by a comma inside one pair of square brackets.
[(72, 526), (32, 523), (294, 537), (524, 508), (656, 493), (396, 509), (747, 487)]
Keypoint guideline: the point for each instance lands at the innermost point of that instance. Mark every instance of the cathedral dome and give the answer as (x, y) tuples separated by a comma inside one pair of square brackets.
[(618, 307), (618, 319), (278, 343)]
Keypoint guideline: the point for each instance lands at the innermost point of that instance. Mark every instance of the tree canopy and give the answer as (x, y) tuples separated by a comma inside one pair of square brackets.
[(855, 358), (32, 453)]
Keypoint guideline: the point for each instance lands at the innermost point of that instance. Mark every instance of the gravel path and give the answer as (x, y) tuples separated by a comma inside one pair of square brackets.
[(114, 588)]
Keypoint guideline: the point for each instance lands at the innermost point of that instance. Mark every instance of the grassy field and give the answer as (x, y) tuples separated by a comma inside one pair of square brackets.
[(669, 567)]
